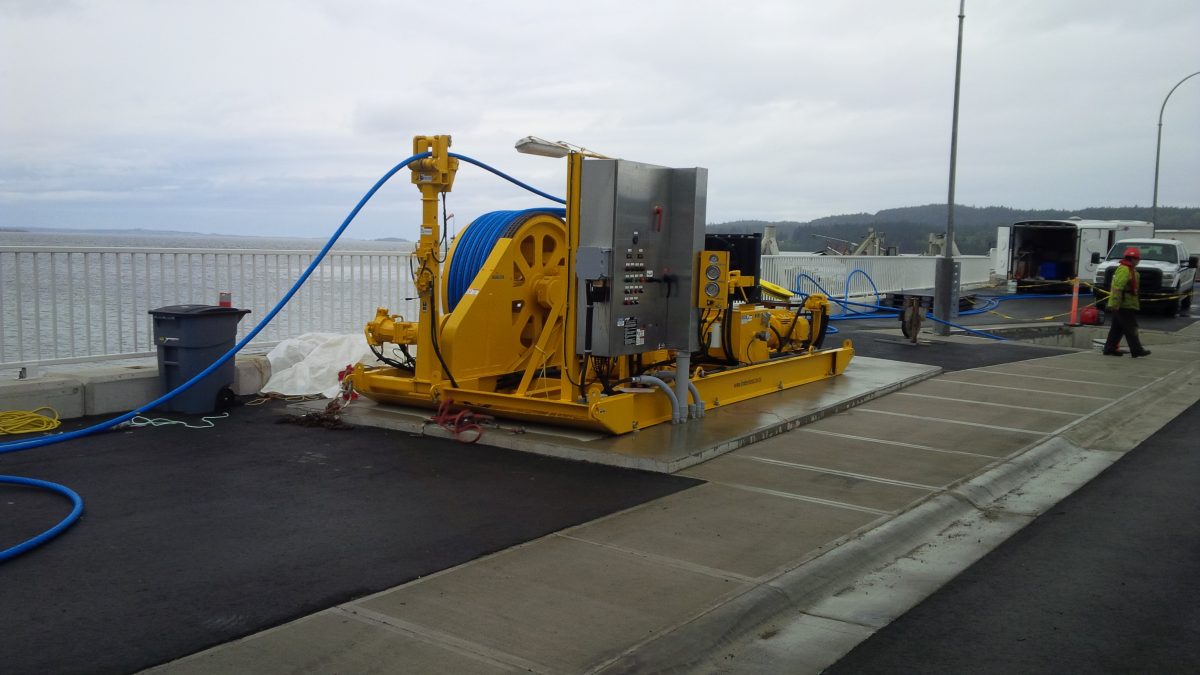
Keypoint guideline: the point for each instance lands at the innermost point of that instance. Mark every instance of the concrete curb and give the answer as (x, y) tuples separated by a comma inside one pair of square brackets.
[(717, 631), (95, 389), (725, 626)]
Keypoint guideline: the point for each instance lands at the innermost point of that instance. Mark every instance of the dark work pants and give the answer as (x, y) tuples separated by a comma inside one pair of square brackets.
[(1124, 324)]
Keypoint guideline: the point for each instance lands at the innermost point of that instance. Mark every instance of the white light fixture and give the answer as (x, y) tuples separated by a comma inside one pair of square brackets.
[(532, 145)]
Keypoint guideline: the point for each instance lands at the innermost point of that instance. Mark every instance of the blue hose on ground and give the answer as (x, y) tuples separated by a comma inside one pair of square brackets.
[(892, 311), (989, 305), (964, 328), (30, 444), (76, 511), (845, 304)]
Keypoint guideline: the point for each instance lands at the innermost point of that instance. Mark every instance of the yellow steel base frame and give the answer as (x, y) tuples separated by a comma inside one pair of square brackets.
[(620, 413)]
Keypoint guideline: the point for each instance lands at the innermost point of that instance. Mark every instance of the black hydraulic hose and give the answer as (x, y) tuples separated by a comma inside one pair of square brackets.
[(778, 336), (727, 335), (587, 339), (795, 319), (433, 330), (387, 359), (818, 334)]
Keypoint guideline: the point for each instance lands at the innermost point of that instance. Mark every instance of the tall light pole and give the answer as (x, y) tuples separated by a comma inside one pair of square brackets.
[(1158, 146), (946, 282)]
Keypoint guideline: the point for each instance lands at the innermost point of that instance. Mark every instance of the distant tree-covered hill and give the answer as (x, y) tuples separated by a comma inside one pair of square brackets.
[(974, 227)]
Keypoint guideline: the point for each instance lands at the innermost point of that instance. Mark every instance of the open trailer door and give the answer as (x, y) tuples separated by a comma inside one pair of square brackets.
[(1002, 263), (1091, 240)]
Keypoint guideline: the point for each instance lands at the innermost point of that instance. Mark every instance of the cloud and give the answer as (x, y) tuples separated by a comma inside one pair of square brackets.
[(281, 114)]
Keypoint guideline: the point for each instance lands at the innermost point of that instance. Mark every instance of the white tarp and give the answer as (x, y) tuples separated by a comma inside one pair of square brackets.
[(310, 364)]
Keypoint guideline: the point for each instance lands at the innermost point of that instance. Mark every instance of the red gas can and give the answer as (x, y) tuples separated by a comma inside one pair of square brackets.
[(1090, 316)]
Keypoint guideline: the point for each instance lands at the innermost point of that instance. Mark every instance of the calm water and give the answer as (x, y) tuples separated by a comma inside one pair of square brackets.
[(69, 306), (205, 241)]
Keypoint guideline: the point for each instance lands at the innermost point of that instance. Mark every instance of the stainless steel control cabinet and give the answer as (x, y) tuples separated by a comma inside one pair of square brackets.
[(640, 227)]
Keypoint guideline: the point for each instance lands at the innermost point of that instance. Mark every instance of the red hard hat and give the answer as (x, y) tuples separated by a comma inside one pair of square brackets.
[(1133, 254)]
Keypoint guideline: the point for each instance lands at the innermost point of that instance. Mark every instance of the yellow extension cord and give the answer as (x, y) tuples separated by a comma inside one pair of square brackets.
[(27, 421)]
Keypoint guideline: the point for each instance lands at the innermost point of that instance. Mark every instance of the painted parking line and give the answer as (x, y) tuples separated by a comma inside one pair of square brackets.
[(1013, 369), (949, 421), (1052, 379), (806, 498), (947, 378), (989, 403), (836, 472), (902, 444)]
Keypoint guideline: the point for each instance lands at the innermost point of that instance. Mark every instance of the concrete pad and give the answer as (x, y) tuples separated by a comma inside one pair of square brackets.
[(113, 389), (969, 411), (966, 391), (667, 448), (995, 376), (748, 533), (331, 642), (928, 433), (871, 458), (736, 469), (1076, 371), (1176, 347), (1127, 366), (64, 394), (562, 603)]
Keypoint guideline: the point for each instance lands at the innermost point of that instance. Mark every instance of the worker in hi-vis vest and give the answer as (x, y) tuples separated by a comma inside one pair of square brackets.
[(1123, 305)]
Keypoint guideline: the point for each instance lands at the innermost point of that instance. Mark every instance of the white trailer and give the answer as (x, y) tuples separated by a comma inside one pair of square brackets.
[(1190, 238), (1042, 256)]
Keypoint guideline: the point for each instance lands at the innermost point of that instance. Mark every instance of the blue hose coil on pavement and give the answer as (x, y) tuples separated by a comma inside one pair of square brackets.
[(76, 511), (476, 242)]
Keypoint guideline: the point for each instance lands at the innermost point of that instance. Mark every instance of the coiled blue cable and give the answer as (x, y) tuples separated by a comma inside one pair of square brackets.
[(880, 308), (475, 244), (16, 446), (76, 511)]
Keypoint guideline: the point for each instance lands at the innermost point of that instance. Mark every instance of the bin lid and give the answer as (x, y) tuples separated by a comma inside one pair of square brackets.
[(196, 310)]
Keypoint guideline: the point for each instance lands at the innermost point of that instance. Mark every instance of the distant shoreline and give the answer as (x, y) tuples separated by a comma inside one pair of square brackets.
[(142, 232)]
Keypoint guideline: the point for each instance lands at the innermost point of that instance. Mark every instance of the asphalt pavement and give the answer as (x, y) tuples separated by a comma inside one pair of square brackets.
[(1106, 582), (194, 537)]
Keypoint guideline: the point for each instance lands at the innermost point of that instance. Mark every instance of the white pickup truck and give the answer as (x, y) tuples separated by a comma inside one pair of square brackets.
[(1166, 274)]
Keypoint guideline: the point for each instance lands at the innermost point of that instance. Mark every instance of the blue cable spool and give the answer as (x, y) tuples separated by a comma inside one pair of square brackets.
[(476, 242)]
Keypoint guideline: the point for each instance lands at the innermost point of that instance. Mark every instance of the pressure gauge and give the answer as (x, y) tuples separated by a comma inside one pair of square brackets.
[(712, 290), (712, 272)]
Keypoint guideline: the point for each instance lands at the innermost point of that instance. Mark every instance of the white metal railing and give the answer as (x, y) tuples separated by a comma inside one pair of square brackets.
[(890, 274), (62, 304)]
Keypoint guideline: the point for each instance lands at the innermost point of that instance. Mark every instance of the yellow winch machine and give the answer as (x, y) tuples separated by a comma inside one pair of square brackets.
[(613, 314)]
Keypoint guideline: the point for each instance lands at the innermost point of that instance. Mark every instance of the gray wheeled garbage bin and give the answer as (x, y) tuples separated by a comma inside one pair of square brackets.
[(189, 339)]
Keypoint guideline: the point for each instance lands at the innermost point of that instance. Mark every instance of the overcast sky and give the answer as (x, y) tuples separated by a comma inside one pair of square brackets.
[(273, 117)]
